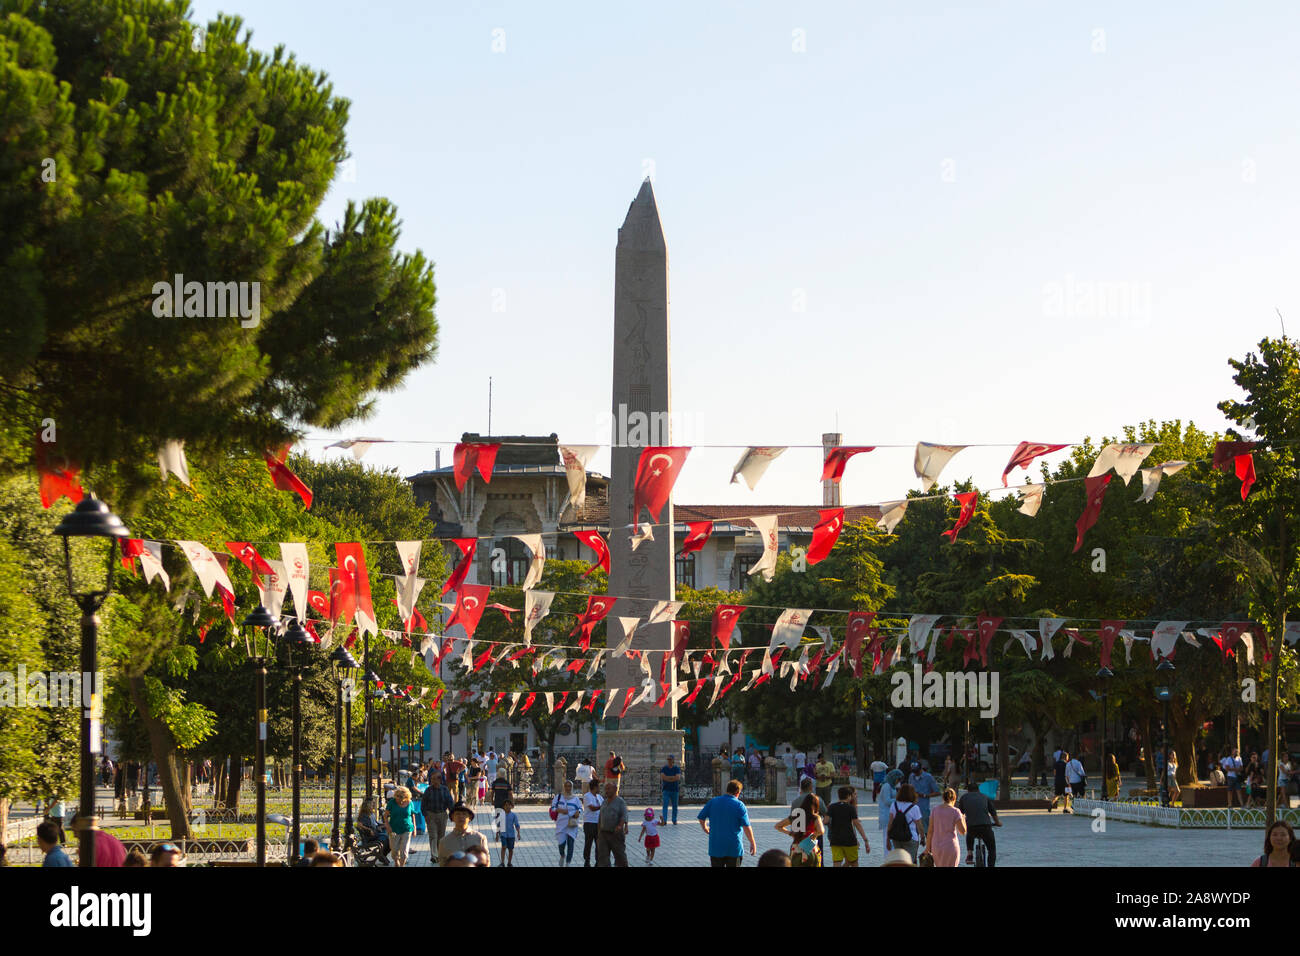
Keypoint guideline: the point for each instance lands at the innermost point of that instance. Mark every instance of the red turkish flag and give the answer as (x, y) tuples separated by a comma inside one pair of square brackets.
[(227, 602), (563, 698), (469, 456), (724, 622), (132, 548), (283, 478), (967, 501), (1095, 490), (317, 601), (57, 481), (593, 540), (1240, 455), (484, 657), (437, 697), (506, 611), (343, 598), (496, 701), (681, 637), (858, 624), (467, 547), (1107, 635), (528, 702), (310, 628), (352, 562), (837, 458), (1232, 631), (249, 558), (203, 630), (575, 665), (590, 706), (1026, 452), (971, 650), (471, 599), (697, 533), (627, 701), (656, 473), (519, 654), (416, 620), (987, 627), (598, 605), (388, 655), (825, 533), (690, 698)]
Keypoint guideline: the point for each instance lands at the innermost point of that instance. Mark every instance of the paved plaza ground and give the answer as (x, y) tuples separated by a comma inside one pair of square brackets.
[(1027, 838)]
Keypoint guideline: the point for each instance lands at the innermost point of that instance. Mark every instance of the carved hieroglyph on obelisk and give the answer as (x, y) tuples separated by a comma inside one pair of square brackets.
[(642, 394)]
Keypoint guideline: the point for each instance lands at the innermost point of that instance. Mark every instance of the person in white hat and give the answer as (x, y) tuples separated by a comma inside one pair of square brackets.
[(898, 857)]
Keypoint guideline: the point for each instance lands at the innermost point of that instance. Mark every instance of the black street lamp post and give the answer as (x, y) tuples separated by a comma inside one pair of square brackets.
[(297, 639), (260, 619), (90, 519), (889, 725), (343, 665), (1164, 693)]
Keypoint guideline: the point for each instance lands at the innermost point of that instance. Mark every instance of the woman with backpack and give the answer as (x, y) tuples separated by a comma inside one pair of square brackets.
[(903, 832)]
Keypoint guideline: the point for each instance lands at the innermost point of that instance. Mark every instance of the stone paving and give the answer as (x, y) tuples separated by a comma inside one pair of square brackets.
[(1027, 838)]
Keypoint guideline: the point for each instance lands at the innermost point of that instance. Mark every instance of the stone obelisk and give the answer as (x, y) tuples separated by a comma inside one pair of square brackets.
[(642, 402)]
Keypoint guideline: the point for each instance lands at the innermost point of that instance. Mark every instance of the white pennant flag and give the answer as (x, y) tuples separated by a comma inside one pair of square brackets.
[(898, 653), (1190, 638), (537, 604), (645, 665), (575, 458), (533, 542), (171, 459), (686, 662), (724, 663), (1164, 636), (550, 701), (577, 702), (408, 592), (649, 691), (609, 701), (409, 553), (294, 556), (595, 664), (629, 625), (206, 566), (1125, 459), (930, 460), (831, 671), (680, 690), (559, 662), (766, 525), (467, 656), (893, 512), (358, 446), (539, 661), (1151, 477), (1026, 641), (789, 627), (514, 702), (1127, 637), (1248, 642), (508, 649), (1031, 499), (717, 685), (273, 588), (645, 533), (664, 611), (825, 634), (151, 564), (753, 463), (918, 630), (1047, 626)]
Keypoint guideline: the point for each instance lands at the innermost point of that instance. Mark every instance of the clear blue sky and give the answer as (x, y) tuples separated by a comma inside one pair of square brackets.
[(928, 177)]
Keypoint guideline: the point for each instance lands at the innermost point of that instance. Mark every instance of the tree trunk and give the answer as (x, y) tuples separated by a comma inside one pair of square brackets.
[(234, 782), (1004, 760), (219, 784), (163, 746)]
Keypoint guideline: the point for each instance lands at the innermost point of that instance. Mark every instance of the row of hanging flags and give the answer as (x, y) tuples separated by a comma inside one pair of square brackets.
[(659, 467)]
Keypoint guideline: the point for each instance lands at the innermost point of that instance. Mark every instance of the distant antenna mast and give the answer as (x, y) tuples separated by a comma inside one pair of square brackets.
[(489, 405), (1279, 318)]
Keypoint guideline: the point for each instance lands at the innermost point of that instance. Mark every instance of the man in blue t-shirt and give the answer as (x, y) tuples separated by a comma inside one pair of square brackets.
[(670, 777), (722, 819), (925, 787)]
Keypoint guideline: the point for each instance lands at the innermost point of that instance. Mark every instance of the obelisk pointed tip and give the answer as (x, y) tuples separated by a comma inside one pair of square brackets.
[(645, 210)]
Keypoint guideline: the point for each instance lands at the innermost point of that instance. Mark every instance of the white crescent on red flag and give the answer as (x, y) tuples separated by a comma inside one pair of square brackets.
[(855, 631), (724, 622), (283, 478), (753, 463), (352, 561), (987, 627), (930, 461), (471, 600), (1106, 635), (469, 457), (656, 473), (1095, 491), (593, 540), (825, 533), (697, 533), (457, 577), (249, 558), (837, 458), (967, 500), (576, 459), (598, 606), (1026, 452)]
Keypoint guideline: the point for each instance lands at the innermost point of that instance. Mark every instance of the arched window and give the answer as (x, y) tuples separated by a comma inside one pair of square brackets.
[(514, 569)]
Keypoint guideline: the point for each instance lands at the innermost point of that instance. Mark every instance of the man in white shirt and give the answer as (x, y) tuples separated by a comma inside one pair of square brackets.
[(1074, 776), (800, 761), (1232, 770), (583, 774), (591, 802), (788, 759)]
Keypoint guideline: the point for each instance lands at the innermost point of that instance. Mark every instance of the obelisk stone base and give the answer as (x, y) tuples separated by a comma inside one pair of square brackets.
[(643, 753)]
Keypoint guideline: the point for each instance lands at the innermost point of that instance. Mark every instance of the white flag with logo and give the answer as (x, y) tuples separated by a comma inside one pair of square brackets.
[(1164, 636), (789, 628), (629, 625), (1151, 477), (151, 564), (918, 630), (294, 556), (1031, 499), (533, 542), (1048, 626), (272, 589), (664, 611), (206, 566), (766, 525), (930, 460), (1125, 459), (537, 604), (575, 458), (753, 463), (892, 513)]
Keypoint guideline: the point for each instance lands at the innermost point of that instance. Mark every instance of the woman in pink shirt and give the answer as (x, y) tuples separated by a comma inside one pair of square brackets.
[(947, 824)]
